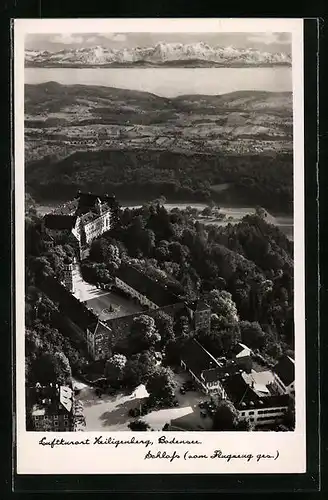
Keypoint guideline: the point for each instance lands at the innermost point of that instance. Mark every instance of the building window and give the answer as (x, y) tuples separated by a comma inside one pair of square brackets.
[(56, 423), (251, 413), (269, 417), (242, 413)]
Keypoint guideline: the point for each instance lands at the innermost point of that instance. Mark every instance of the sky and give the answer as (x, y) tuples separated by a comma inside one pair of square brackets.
[(268, 42)]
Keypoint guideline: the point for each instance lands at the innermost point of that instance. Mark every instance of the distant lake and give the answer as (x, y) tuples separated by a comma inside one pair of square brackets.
[(233, 214), (170, 82)]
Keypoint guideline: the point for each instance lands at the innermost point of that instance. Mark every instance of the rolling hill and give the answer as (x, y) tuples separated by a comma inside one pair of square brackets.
[(78, 135)]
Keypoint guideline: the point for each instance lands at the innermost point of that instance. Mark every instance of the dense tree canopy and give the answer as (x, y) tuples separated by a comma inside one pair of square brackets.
[(144, 334), (161, 385), (243, 271)]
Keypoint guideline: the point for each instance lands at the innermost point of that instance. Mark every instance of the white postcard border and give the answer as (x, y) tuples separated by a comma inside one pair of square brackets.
[(33, 458)]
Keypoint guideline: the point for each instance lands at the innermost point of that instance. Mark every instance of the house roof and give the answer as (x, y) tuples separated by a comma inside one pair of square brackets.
[(87, 201), (51, 400), (204, 365), (59, 222), (199, 360), (68, 208), (243, 396), (66, 397), (212, 375), (102, 328), (198, 305), (285, 369), (75, 310), (240, 350), (153, 290)]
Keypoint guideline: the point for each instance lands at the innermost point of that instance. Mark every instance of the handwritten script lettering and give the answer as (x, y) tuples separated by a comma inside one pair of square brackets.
[(181, 449)]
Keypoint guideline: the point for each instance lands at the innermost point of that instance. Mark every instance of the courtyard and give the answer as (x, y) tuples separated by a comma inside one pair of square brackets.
[(111, 413), (111, 305), (106, 305)]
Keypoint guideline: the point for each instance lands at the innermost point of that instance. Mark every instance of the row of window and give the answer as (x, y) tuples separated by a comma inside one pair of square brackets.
[(272, 410), (269, 417), (48, 417), (243, 413), (56, 424), (138, 295)]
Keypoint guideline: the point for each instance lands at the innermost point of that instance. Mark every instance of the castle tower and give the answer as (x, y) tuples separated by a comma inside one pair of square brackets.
[(68, 275), (98, 206), (202, 316)]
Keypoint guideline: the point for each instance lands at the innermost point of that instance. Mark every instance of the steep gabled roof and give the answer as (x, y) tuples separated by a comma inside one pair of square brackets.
[(285, 369), (199, 360), (59, 222), (240, 350), (87, 201), (153, 290), (198, 305), (244, 397)]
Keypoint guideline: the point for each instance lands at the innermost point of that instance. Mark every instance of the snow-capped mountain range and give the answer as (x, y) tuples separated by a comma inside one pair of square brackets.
[(161, 54)]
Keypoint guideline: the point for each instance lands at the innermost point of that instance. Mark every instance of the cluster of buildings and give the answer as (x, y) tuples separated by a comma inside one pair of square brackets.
[(263, 397), (54, 408), (85, 218), (101, 336)]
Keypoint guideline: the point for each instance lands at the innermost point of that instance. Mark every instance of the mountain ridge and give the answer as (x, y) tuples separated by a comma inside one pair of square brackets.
[(161, 54)]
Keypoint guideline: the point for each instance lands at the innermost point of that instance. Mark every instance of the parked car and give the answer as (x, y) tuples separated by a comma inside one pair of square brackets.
[(182, 390), (98, 392), (134, 412), (202, 404), (203, 414), (189, 386)]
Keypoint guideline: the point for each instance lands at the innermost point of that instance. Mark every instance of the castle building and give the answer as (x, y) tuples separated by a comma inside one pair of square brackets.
[(55, 409), (200, 314), (99, 335), (86, 217)]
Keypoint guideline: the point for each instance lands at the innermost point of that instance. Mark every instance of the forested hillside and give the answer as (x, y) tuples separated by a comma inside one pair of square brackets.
[(140, 145)]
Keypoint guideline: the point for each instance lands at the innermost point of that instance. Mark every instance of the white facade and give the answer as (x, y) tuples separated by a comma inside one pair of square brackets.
[(263, 416), (213, 387), (284, 389), (92, 229)]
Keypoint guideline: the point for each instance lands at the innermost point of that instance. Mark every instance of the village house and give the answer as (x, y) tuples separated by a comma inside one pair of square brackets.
[(243, 356), (284, 376), (254, 394), (253, 399), (55, 409), (204, 368)]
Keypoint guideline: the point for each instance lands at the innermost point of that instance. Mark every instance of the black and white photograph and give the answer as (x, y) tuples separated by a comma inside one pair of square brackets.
[(159, 192)]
